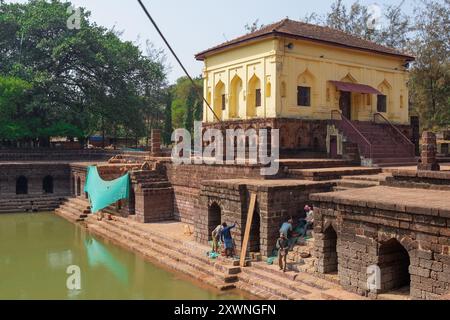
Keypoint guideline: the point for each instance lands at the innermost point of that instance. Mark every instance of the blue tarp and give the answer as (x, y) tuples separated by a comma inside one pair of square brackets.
[(105, 193)]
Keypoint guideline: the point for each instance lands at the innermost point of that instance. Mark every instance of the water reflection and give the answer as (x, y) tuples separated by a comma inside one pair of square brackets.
[(98, 255), (37, 249)]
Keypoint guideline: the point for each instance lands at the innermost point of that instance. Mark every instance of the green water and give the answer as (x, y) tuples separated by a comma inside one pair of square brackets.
[(37, 249)]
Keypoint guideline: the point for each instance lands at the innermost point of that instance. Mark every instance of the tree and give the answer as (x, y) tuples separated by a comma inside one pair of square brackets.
[(430, 74), (426, 36), (187, 104), (81, 81), (391, 28), (167, 131), (254, 26)]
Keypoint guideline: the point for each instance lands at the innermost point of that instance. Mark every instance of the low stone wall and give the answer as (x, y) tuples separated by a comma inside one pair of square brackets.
[(186, 181), (435, 180), (55, 155), (295, 134), (33, 174), (405, 233)]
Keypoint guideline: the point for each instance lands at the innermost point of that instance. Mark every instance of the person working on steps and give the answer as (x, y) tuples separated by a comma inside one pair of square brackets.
[(216, 235), (227, 239), (309, 220), (286, 228), (283, 250)]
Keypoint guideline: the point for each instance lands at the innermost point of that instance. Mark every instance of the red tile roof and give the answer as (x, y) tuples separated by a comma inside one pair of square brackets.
[(309, 32)]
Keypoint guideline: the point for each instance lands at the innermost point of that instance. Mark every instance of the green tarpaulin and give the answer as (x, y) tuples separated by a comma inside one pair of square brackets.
[(105, 193)]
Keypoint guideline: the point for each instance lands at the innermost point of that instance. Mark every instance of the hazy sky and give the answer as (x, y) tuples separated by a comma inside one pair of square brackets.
[(194, 25)]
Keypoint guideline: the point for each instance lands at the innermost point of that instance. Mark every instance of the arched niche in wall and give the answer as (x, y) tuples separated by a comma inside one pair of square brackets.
[(253, 95), (219, 99), (236, 96)]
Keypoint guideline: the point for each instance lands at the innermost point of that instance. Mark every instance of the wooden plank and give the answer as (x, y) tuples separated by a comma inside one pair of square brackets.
[(248, 226)]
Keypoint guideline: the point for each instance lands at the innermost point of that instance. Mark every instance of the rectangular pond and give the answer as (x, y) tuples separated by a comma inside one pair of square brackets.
[(38, 250)]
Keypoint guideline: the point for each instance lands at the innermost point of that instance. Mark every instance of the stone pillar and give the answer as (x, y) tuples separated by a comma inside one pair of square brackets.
[(429, 149), (156, 143)]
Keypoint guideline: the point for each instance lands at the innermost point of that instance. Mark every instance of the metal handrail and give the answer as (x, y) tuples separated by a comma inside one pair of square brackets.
[(395, 128), (355, 129)]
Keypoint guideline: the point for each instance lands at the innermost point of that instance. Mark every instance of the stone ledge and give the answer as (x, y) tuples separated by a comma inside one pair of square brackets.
[(415, 201)]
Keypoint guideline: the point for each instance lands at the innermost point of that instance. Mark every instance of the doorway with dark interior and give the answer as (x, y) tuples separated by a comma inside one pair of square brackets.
[(214, 218), (330, 258), (21, 185), (47, 185), (333, 147), (345, 104), (255, 232), (394, 261)]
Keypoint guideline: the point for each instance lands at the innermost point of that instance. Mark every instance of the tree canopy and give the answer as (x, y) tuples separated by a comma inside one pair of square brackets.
[(58, 81)]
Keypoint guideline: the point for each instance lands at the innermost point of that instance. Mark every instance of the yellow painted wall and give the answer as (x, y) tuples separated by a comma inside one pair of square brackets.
[(277, 71)]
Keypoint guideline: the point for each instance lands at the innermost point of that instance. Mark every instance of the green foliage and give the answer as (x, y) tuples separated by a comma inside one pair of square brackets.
[(167, 130), (78, 81), (187, 103), (430, 76)]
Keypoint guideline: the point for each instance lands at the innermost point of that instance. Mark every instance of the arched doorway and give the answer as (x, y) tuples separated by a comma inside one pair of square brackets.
[(78, 187), (393, 261), (22, 185), (330, 259), (255, 231), (47, 184), (214, 218)]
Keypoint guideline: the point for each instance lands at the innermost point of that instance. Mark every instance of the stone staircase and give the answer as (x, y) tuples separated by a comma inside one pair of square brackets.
[(388, 148), (40, 203), (74, 209), (360, 181), (300, 282), (268, 282), (186, 257)]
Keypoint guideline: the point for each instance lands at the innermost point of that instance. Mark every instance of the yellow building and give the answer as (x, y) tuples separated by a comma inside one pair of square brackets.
[(296, 71)]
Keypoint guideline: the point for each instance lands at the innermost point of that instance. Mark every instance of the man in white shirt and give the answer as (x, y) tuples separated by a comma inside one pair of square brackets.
[(309, 219), (216, 234)]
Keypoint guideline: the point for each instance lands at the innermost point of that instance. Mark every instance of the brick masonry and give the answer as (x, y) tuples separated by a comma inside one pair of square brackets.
[(392, 234), (277, 201), (34, 174)]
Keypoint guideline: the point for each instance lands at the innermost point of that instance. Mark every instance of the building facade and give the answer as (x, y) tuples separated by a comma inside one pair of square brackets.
[(292, 70)]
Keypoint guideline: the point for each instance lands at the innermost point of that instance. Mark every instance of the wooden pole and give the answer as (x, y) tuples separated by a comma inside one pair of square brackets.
[(251, 210)]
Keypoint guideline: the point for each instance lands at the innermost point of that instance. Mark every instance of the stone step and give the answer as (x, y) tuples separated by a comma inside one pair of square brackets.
[(78, 201), (154, 245), (395, 163), (43, 198), (166, 251), (340, 189), (167, 261), (355, 184), (314, 163), (74, 210), (266, 287), (331, 173), (137, 229), (311, 282), (374, 177), (68, 216), (75, 206), (286, 284)]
